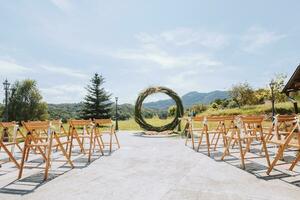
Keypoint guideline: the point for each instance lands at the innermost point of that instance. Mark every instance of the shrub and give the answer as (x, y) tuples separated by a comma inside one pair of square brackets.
[(232, 104)]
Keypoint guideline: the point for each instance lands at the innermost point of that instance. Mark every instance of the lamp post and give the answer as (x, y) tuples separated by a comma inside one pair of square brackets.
[(117, 124), (272, 84), (6, 85)]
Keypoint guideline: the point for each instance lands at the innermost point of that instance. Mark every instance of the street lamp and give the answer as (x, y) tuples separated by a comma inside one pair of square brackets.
[(6, 85), (117, 124), (272, 84)]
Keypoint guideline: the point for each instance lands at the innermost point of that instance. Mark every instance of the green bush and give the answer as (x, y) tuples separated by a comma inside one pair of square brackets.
[(232, 104)]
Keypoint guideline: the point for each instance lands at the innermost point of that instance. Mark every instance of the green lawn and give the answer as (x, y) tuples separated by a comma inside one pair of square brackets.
[(265, 109), (132, 125)]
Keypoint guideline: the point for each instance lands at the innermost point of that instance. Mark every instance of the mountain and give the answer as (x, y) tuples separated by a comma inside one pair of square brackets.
[(193, 98), (189, 99), (125, 111)]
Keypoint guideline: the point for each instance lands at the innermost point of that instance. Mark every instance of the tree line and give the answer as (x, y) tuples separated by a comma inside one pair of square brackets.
[(241, 95), (25, 102)]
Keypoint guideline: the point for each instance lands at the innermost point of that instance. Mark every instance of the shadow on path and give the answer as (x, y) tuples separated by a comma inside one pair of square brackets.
[(32, 182)]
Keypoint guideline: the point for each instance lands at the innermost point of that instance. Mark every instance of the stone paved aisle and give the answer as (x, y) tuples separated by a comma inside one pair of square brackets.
[(148, 168)]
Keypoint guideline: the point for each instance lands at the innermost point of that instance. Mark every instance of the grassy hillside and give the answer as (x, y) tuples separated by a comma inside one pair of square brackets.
[(280, 108)]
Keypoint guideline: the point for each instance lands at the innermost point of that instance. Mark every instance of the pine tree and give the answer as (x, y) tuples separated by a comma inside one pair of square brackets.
[(96, 103)]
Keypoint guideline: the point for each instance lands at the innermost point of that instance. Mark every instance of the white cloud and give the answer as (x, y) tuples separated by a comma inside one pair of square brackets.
[(9, 67), (168, 61), (64, 5), (167, 52), (65, 93), (65, 71), (184, 81), (257, 38), (186, 36)]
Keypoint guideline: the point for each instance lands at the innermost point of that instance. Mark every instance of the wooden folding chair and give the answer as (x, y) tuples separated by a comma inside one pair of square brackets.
[(247, 130), (61, 132), (282, 126), (219, 126), (14, 131), (194, 126), (10, 138), (81, 130), (213, 125), (291, 139), (106, 126), (40, 136)]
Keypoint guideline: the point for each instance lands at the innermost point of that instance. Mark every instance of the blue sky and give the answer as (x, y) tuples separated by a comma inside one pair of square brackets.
[(186, 45)]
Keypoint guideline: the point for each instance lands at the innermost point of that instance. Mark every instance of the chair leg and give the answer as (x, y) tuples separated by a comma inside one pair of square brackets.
[(19, 147), (69, 147), (102, 142), (225, 142), (199, 141), (265, 150), (207, 143), (47, 164), (267, 138), (48, 156), (27, 153), (11, 157), (117, 140), (90, 149), (248, 143), (187, 137), (24, 153), (242, 154), (100, 145), (226, 150), (213, 138), (277, 157), (94, 144), (295, 161), (82, 142), (42, 153), (215, 146), (193, 140), (63, 151), (110, 143)]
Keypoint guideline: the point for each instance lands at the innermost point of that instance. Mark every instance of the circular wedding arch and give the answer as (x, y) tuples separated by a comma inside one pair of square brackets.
[(138, 109)]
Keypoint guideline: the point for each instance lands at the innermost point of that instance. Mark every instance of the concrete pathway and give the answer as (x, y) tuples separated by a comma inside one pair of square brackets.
[(150, 168)]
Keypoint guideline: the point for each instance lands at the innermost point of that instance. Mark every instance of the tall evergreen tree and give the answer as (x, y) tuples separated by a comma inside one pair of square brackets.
[(96, 103)]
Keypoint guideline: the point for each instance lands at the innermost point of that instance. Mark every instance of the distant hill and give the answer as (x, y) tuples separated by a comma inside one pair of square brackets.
[(64, 111), (67, 111), (72, 110), (189, 99)]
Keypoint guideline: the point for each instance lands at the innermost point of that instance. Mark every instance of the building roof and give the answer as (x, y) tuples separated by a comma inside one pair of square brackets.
[(294, 83)]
